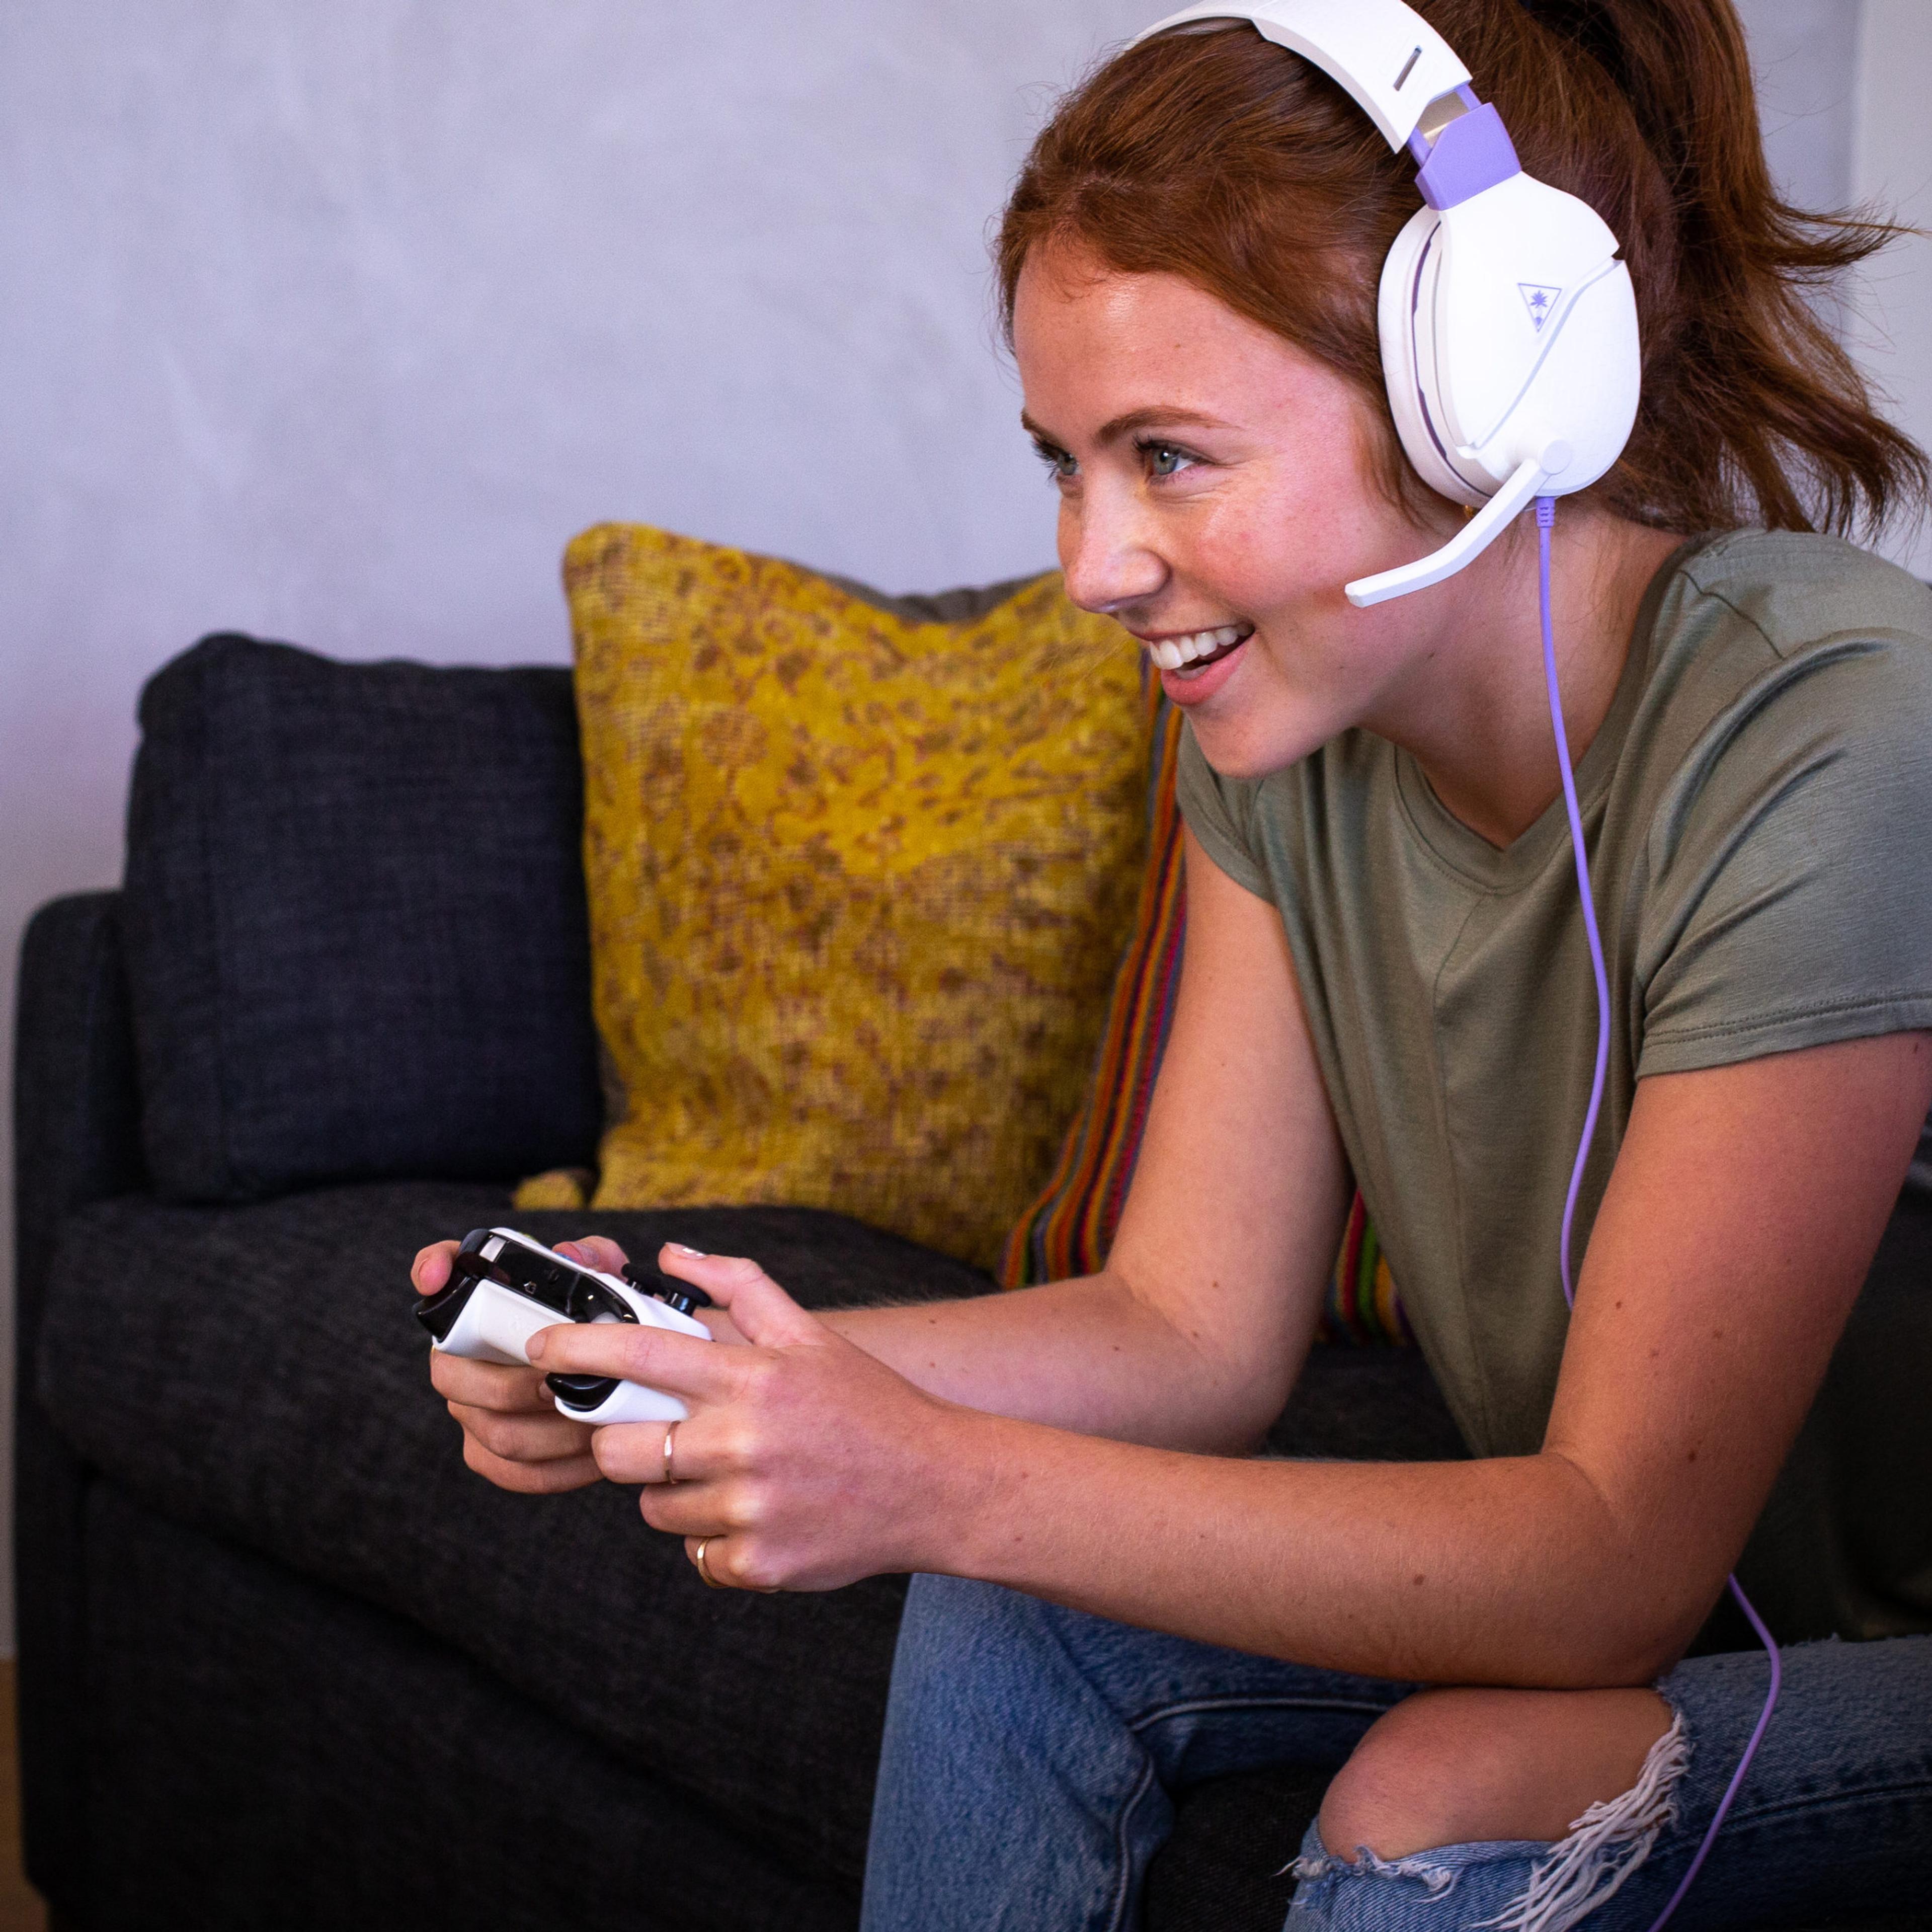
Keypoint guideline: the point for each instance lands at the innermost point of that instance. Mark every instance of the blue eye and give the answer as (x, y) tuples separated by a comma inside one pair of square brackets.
[(1060, 468), (1164, 459)]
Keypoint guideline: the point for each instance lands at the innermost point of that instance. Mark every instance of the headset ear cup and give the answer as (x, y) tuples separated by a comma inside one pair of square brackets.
[(1406, 311), (1535, 335), (1587, 390)]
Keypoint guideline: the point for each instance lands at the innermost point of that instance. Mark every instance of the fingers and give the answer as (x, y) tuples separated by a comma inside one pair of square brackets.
[(529, 1479), (705, 1509), (681, 1365), (429, 1271), (723, 1328), (512, 1432), (532, 1439), (761, 1311), (724, 1514), (634, 1452), (703, 1448), (494, 1385), (729, 1563)]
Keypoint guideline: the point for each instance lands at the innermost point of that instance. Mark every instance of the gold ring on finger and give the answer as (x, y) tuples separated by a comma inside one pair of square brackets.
[(669, 1433), (697, 1557)]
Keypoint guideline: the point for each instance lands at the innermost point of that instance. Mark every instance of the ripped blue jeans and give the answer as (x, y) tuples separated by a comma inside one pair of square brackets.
[(1033, 1755)]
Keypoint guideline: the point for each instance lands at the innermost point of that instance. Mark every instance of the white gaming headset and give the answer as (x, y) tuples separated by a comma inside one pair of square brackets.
[(1509, 330)]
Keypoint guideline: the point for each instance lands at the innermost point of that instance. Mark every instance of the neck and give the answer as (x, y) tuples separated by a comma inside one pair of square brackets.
[(1475, 714)]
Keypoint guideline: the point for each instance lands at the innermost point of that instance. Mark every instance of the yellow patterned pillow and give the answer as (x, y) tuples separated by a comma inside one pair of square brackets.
[(860, 875)]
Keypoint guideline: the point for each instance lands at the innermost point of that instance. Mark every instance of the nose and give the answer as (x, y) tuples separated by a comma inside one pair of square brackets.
[(1109, 554)]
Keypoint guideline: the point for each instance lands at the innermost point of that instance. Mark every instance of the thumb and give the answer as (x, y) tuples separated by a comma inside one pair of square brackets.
[(594, 1251), (429, 1271), (760, 1310)]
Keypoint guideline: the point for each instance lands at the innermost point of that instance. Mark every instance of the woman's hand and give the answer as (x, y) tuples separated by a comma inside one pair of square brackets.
[(512, 1432), (805, 1464)]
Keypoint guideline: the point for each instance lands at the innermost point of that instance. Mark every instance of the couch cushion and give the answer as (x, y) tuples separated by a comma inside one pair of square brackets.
[(265, 1754), (859, 879), (314, 850), (1067, 1229), (255, 1372)]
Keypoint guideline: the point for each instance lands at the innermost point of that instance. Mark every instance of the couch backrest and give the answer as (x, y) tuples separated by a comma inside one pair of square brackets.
[(357, 940)]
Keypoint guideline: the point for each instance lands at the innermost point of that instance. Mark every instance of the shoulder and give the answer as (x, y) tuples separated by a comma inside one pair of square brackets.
[(1788, 593), (1220, 812), (1762, 639), (1780, 773)]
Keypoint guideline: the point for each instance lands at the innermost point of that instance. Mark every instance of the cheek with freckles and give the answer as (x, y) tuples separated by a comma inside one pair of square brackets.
[(1279, 556)]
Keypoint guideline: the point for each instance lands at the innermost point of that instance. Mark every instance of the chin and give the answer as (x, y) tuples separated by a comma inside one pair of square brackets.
[(1251, 741)]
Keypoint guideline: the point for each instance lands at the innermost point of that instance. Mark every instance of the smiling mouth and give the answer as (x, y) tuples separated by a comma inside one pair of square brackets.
[(1191, 655)]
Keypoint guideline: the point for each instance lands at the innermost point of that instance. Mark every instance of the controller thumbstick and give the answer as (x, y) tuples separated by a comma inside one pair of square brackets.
[(679, 1295)]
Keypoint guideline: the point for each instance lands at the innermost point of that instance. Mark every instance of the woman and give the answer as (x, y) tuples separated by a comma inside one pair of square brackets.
[(1387, 975)]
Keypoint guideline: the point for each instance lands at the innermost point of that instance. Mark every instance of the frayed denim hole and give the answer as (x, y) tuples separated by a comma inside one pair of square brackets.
[(1435, 1879), (1312, 1861), (1610, 1842)]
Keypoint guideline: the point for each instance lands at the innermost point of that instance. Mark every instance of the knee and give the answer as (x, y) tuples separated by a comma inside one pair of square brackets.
[(1476, 1766)]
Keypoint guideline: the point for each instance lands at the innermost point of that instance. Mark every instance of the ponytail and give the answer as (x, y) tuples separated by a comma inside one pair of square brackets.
[(1741, 368), (1222, 158)]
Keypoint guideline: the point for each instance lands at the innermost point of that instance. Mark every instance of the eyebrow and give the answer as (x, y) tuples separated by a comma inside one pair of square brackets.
[(1135, 419)]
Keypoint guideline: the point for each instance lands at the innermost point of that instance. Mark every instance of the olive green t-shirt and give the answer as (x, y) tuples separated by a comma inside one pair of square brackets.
[(1758, 808)]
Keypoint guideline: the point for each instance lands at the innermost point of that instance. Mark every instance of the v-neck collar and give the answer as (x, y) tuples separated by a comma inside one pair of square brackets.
[(1507, 868)]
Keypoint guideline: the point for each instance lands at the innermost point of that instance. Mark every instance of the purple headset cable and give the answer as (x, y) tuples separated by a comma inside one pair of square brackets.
[(1545, 518)]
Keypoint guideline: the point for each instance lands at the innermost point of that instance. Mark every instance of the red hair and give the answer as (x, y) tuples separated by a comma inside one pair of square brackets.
[(1223, 159)]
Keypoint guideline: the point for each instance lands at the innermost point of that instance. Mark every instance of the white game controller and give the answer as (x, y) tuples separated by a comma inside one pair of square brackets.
[(503, 1287)]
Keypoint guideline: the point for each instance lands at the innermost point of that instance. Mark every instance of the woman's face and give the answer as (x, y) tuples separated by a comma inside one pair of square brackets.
[(1215, 497)]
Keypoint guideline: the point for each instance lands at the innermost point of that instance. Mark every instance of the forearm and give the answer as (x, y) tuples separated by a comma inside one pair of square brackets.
[(1508, 1570), (1087, 1355)]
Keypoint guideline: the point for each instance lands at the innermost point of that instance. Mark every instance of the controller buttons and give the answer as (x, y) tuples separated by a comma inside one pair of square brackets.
[(667, 1288)]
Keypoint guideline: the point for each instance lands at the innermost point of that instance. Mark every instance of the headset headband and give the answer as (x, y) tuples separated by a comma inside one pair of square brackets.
[(1399, 69), (1384, 53)]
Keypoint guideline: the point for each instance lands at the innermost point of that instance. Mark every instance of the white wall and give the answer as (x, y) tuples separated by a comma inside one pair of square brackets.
[(1805, 54), (332, 323), (1891, 166)]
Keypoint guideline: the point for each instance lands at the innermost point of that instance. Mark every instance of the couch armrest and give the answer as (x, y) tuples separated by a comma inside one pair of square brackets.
[(76, 1138), (76, 1108)]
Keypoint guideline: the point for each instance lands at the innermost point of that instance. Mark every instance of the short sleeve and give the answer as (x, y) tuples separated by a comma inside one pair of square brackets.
[(1790, 860), (1219, 811)]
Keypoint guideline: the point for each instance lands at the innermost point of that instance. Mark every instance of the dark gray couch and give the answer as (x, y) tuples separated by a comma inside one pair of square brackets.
[(284, 1662)]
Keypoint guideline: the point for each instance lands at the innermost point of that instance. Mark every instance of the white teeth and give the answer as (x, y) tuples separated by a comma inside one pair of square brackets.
[(1171, 653)]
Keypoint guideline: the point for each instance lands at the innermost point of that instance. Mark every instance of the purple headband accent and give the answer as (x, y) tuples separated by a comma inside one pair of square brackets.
[(1470, 154), (1420, 144)]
